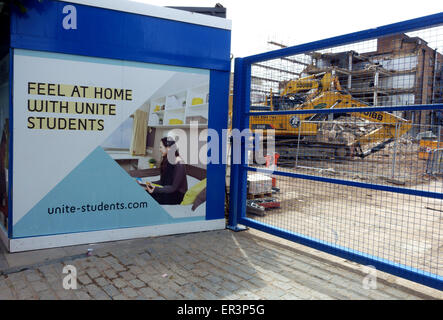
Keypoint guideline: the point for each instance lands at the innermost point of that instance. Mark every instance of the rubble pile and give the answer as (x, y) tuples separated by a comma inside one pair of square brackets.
[(345, 130)]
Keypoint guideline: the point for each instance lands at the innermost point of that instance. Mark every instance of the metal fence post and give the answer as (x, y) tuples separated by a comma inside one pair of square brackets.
[(298, 145), (237, 205), (439, 135), (395, 150)]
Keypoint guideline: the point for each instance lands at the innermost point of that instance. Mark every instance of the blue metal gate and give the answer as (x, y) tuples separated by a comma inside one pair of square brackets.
[(355, 120)]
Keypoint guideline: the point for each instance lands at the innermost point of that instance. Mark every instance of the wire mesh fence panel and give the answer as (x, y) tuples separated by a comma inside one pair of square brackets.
[(347, 145), (401, 228), (356, 149), (399, 69)]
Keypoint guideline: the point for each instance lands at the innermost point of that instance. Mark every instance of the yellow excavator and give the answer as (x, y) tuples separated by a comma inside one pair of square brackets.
[(306, 131)]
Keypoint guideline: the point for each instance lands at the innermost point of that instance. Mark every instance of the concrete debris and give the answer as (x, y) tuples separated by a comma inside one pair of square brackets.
[(345, 130)]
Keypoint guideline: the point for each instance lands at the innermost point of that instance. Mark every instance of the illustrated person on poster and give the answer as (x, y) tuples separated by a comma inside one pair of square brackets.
[(172, 186)]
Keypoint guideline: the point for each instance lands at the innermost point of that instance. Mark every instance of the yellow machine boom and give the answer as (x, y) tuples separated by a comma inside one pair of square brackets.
[(327, 94)]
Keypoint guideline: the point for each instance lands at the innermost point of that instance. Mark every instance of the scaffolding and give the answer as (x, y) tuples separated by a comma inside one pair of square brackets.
[(392, 70)]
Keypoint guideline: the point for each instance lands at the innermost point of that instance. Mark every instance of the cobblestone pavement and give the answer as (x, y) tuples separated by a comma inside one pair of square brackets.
[(207, 265)]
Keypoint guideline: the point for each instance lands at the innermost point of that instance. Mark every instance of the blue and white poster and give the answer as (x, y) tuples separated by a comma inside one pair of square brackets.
[(91, 136)]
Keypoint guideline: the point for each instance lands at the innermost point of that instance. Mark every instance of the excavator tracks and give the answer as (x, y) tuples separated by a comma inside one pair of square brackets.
[(292, 151)]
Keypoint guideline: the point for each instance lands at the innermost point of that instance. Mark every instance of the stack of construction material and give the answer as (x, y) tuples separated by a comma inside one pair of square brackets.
[(259, 184)]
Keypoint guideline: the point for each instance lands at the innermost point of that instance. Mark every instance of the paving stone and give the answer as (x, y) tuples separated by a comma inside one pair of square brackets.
[(207, 295), (129, 292), (33, 276), (290, 296), (110, 274), (189, 295), (66, 294), (39, 286), (392, 292), (81, 295), (181, 272), (146, 278), (252, 285), (230, 285), (25, 294), (92, 260), (169, 294), (188, 266), (47, 295), (271, 293), (102, 253), (111, 260), (148, 292), (45, 269), (125, 261), (214, 279), (227, 295), (282, 285), (150, 269), (178, 279), (281, 278), (145, 257), (58, 284), (93, 273), (18, 284), (84, 280), (200, 272), (119, 283), (16, 276), (247, 295), (101, 281), (118, 267), (210, 286), (136, 270), (6, 294), (51, 277), (173, 286), (111, 290), (127, 275), (137, 283), (96, 292)]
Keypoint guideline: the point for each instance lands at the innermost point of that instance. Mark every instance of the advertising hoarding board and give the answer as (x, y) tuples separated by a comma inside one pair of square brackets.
[(89, 124)]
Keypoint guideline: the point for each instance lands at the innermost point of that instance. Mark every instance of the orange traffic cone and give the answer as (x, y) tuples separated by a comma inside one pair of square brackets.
[(271, 163)]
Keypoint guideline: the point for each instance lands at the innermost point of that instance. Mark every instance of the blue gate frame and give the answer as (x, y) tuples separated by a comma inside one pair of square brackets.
[(241, 114)]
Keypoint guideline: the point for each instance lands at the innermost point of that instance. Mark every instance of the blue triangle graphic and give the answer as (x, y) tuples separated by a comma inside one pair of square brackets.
[(101, 183)]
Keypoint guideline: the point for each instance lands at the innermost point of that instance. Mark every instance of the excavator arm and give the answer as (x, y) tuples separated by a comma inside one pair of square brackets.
[(323, 91), (392, 126), (321, 82)]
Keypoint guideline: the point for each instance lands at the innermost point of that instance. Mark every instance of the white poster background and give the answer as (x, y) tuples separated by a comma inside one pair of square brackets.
[(42, 158)]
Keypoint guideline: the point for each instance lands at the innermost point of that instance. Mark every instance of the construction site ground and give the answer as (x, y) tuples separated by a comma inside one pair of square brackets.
[(398, 227)]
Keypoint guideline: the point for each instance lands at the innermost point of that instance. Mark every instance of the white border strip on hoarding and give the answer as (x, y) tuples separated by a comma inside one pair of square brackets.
[(71, 239), (159, 12)]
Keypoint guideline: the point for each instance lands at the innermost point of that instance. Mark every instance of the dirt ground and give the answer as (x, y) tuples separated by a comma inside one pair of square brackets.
[(402, 228), (398, 164)]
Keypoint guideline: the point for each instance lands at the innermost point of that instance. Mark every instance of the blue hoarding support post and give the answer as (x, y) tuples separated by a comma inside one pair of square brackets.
[(239, 121)]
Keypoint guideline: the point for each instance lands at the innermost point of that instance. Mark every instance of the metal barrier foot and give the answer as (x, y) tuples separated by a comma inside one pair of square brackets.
[(237, 228)]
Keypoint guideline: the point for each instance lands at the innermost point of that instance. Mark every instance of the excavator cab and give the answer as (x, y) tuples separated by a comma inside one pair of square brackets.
[(281, 103)]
